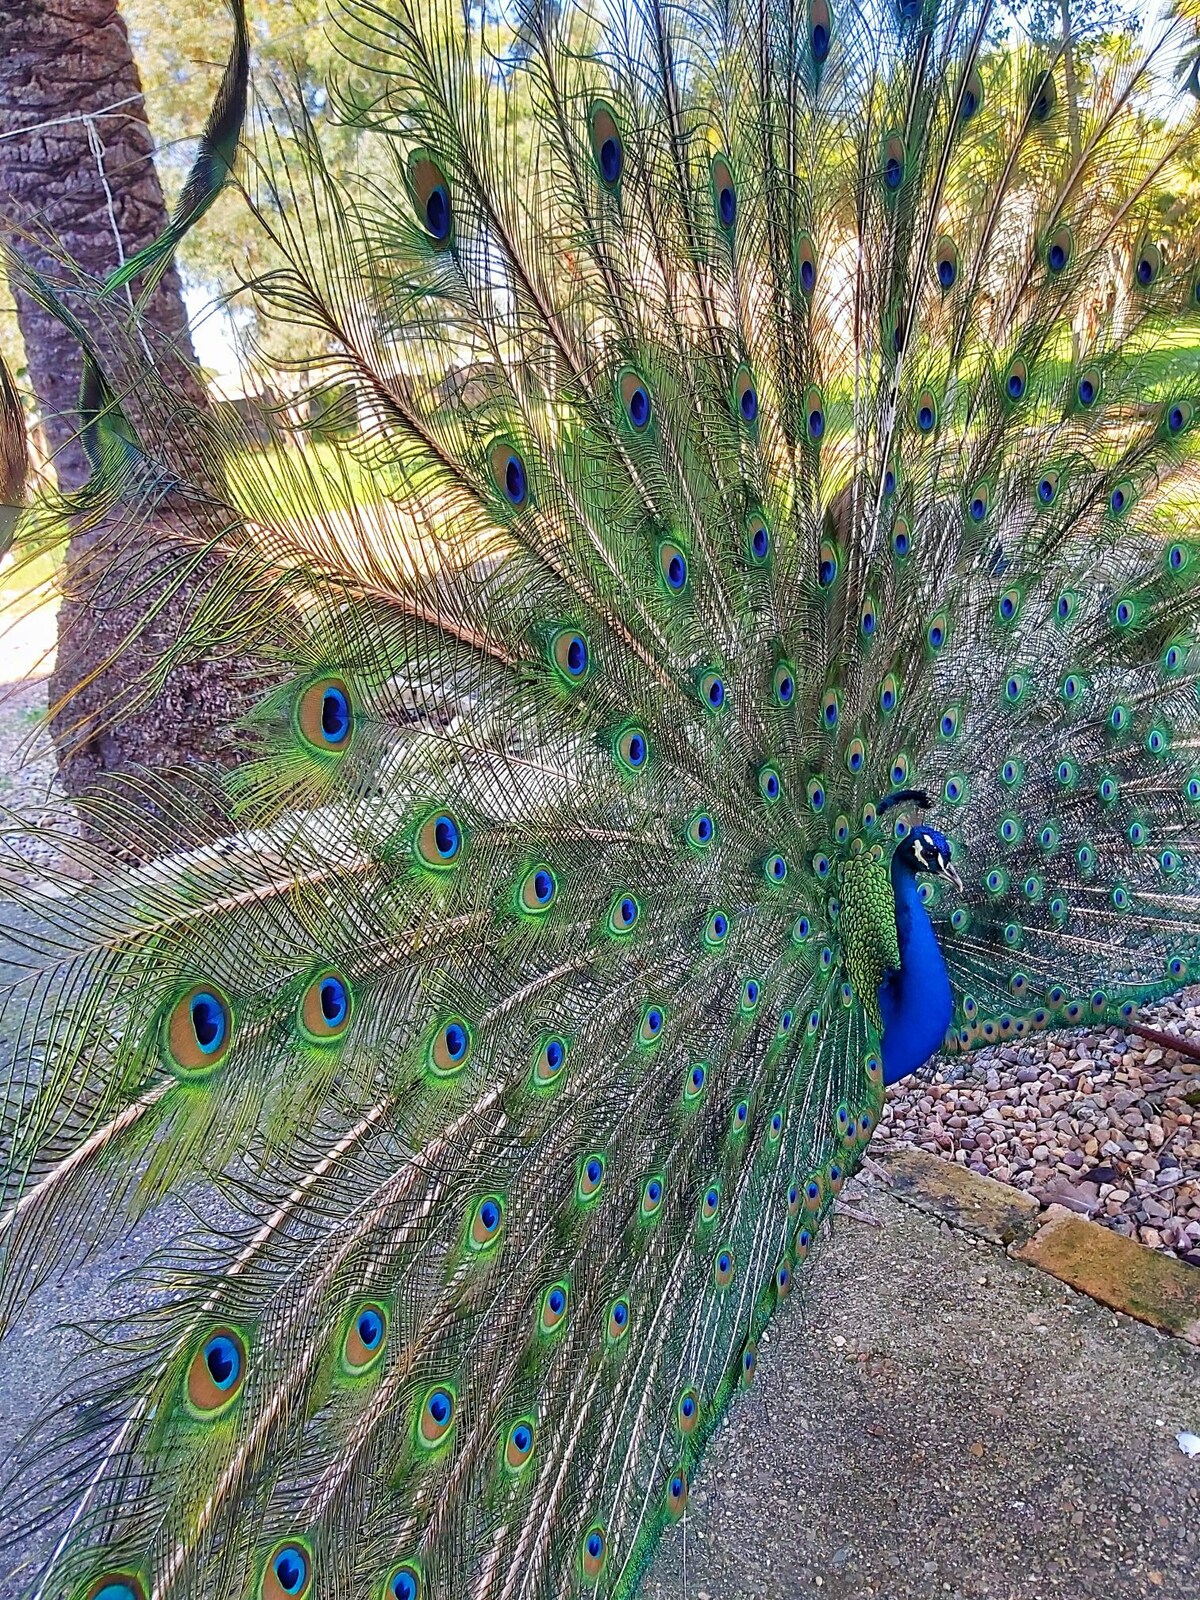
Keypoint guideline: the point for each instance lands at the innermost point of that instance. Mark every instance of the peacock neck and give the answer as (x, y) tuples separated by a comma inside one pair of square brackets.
[(914, 1003)]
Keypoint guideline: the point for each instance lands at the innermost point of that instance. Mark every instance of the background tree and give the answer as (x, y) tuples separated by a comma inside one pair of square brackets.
[(77, 175)]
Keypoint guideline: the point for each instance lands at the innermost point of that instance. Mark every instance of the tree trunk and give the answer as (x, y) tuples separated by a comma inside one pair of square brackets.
[(77, 175)]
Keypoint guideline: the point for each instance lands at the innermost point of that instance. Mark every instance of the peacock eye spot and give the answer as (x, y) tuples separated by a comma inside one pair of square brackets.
[(727, 206), (1016, 385), (335, 716), (437, 214), (748, 405), (808, 277), (1087, 391), (610, 160), (208, 1021), (291, 1569), (222, 1359), (925, 418), (556, 1301)]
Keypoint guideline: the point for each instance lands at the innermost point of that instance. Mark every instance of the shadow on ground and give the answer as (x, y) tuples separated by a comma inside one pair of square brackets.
[(937, 1420)]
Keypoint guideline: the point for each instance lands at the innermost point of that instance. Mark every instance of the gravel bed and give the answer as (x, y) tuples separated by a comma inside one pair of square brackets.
[(1105, 1123)]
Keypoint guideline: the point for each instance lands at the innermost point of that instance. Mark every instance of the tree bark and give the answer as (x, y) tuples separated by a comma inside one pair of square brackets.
[(77, 175)]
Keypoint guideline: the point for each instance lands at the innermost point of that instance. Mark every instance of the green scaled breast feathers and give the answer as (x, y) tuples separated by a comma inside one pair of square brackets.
[(721, 418), (868, 927)]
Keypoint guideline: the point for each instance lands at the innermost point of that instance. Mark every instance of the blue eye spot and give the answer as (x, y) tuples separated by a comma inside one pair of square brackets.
[(654, 1019), (727, 206), (223, 1360), (291, 1569), (1016, 385), (440, 1406), (577, 656), (808, 277), (446, 837), (1058, 254), (925, 418), (208, 1022), (639, 408), (437, 214), (489, 1215), (752, 992), (610, 160), (978, 509), (720, 926), (335, 716), (594, 1170), (595, 1545), (1046, 491), (555, 1054), (620, 1313), (1087, 391), (889, 483), (370, 1329), (654, 1190), (677, 572), (404, 1585), (748, 405), (716, 694), (1175, 419), (514, 480), (816, 422), (704, 828), (697, 1077), (946, 274), (557, 1301), (893, 172), (456, 1041)]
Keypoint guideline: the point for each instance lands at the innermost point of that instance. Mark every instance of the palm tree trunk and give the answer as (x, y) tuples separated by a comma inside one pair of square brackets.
[(77, 174)]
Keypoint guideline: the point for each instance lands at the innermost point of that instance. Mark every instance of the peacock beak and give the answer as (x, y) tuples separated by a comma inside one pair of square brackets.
[(951, 872)]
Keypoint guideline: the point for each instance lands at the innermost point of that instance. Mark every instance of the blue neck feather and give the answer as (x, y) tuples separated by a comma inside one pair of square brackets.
[(914, 1003)]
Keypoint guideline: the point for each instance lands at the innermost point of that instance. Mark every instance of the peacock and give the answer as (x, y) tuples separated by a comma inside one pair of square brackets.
[(735, 636)]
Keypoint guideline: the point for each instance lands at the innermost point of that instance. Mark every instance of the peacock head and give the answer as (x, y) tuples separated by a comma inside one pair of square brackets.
[(926, 850)]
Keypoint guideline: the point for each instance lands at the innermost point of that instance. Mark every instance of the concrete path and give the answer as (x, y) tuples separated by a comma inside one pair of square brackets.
[(937, 1420)]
